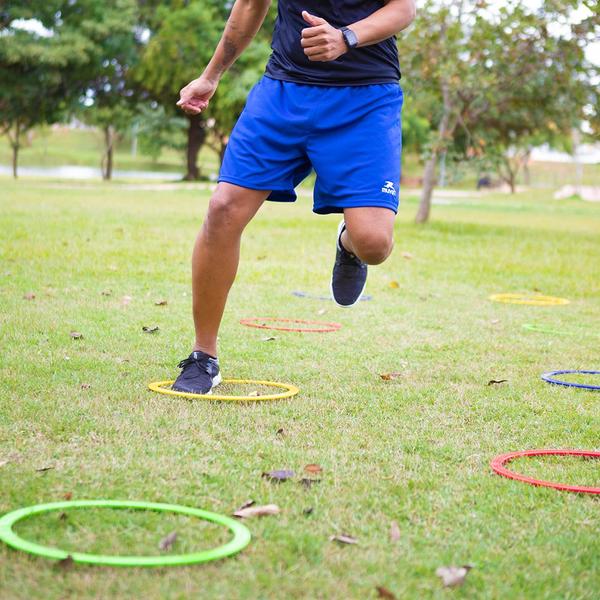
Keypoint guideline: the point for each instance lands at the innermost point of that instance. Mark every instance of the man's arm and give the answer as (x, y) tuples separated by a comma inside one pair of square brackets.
[(245, 20), (323, 42)]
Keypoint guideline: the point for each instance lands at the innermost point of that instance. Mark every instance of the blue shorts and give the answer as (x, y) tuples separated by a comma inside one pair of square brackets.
[(350, 135)]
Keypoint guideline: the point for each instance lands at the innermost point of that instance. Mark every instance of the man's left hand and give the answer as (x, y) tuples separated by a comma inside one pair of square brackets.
[(321, 41)]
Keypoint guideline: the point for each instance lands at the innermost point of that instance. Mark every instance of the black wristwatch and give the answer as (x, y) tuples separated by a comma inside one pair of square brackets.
[(349, 37)]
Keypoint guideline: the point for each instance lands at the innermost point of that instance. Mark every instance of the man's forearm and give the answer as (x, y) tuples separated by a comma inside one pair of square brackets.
[(243, 24), (392, 18)]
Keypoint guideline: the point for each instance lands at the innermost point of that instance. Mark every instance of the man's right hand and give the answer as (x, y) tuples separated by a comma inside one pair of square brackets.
[(195, 96)]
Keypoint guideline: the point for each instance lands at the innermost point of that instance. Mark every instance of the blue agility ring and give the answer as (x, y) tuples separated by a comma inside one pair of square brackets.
[(549, 378), (300, 294)]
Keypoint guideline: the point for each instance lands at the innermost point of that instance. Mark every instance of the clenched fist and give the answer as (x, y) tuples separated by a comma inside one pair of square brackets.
[(321, 41)]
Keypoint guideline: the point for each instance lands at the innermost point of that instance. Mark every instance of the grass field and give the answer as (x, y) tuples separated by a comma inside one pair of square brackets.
[(414, 450)]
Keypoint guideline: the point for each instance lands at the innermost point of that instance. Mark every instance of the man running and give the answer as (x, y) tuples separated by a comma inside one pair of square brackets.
[(330, 101)]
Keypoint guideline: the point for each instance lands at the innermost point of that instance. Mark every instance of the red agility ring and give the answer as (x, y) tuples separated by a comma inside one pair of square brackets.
[(498, 467), (261, 323)]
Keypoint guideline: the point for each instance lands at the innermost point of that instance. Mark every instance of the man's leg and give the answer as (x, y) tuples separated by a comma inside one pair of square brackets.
[(369, 233), (216, 257), (365, 237), (214, 265)]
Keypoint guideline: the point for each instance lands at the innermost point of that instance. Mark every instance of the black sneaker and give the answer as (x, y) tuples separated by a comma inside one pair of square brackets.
[(349, 276), (200, 373)]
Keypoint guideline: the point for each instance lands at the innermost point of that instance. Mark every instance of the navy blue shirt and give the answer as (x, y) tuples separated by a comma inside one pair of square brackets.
[(359, 66)]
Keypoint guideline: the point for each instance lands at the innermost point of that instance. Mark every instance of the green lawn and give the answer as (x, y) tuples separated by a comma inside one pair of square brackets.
[(415, 449)]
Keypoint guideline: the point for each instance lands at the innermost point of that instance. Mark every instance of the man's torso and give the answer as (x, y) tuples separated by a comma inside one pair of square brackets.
[(360, 66)]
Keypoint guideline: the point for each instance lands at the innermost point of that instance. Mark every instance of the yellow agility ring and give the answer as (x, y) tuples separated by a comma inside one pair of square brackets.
[(530, 299), (163, 387)]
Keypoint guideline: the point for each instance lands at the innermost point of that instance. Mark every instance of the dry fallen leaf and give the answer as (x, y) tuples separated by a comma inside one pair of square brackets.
[(247, 504), (407, 255), (68, 495), (257, 511), (29, 296), (343, 539), (76, 335), (147, 329), (394, 285), (394, 532), (167, 542), (384, 593), (279, 475), (390, 376), (453, 576), (313, 469), (160, 303), (65, 563), (308, 483), (86, 386), (496, 381)]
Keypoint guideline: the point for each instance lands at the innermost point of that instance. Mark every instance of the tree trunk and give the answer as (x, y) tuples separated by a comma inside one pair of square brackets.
[(16, 145), (427, 191), (15, 160), (195, 141), (222, 148), (440, 146), (526, 171), (107, 158), (511, 174)]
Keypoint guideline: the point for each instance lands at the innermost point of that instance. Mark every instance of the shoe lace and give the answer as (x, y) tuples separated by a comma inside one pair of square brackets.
[(186, 362), (347, 258)]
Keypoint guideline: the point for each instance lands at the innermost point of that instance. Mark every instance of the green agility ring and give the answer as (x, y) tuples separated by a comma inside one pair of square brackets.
[(241, 535)]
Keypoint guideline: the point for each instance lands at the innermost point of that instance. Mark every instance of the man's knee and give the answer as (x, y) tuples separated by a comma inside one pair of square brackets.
[(372, 247), (226, 213)]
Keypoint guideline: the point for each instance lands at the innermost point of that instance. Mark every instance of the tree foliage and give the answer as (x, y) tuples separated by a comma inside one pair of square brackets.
[(44, 75), (491, 78)]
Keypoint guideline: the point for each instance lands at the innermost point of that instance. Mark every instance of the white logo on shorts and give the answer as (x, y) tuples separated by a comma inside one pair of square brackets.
[(388, 188)]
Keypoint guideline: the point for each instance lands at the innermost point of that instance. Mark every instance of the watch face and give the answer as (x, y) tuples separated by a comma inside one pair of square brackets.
[(350, 37)]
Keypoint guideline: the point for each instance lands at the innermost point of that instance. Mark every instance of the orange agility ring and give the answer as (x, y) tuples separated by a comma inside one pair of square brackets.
[(530, 299), (498, 467), (263, 323)]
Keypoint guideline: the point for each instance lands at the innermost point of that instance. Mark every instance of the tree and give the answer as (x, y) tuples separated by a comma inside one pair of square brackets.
[(489, 78), (183, 37), (186, 37), (111, 99), (157, 130), (229, 100), (31, 70), (44, 74)]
